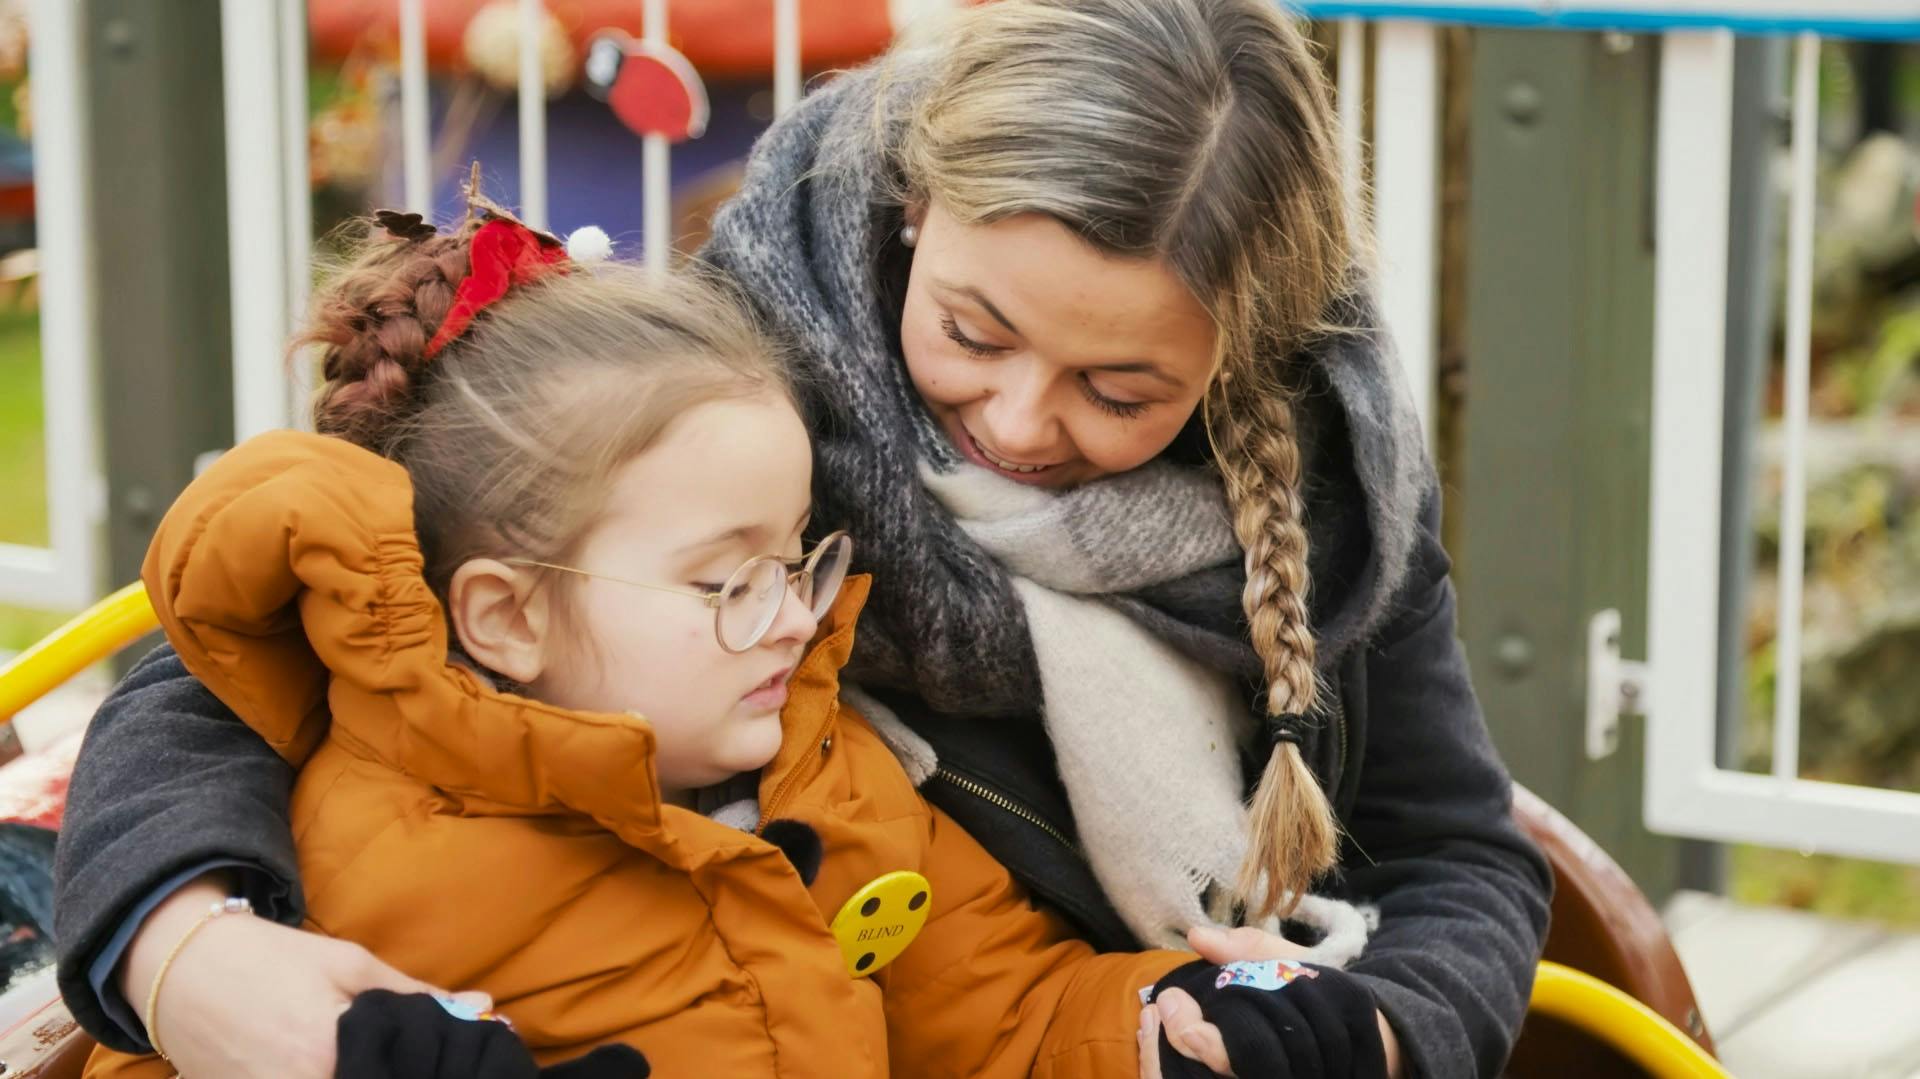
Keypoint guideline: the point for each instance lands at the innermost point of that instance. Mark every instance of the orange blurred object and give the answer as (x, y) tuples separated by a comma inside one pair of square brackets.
[(33, 787), (723, 38)]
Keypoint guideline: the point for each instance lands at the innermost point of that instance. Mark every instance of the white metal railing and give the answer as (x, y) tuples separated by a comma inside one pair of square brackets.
[(65, 574), (533, 112), (1406, 154), (264, 45), (1688, 792), (416, 133), (1402, 198), (655, 163), (269, 217)]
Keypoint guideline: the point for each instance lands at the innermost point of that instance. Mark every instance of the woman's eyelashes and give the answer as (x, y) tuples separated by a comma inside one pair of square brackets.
[(951, 328), (1115, 407), (1125, 410)]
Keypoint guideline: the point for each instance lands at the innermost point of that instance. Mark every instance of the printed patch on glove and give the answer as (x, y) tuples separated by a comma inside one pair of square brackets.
[(1263, 974), (462, 1010)]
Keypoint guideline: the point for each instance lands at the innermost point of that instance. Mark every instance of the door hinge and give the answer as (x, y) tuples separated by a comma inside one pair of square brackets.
[(1615, 687)]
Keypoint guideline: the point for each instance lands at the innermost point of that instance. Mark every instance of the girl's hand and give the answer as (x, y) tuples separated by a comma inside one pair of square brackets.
[(247, 998), (1179, 1014), (1188, 1031)]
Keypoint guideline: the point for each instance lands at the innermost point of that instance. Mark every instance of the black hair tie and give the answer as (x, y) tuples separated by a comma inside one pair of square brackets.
[(1286, 729)]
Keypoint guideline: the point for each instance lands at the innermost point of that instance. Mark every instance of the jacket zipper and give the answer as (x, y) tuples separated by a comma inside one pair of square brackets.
[(1340, 762), (787, 782), (995, 798)]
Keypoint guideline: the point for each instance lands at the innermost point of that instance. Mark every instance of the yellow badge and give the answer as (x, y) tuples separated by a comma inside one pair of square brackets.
[(878, 922)]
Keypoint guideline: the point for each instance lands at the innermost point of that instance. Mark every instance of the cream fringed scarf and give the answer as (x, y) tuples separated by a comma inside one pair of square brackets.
[(1147, 738)]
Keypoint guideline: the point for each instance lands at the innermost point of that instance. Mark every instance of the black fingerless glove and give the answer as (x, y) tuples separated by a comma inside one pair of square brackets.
[(1280, 1019), (386, 1035)]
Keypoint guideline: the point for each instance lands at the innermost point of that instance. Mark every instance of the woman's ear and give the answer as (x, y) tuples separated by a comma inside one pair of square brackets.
[(502, 617)]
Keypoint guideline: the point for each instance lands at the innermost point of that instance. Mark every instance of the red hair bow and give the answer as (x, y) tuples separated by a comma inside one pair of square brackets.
[(504, 254)]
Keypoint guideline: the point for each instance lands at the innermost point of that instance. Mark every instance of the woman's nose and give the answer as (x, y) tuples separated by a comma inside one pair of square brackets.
[(1019, 418)]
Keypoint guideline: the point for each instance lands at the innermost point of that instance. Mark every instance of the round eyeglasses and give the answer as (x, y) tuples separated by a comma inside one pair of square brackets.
[(748, 604)]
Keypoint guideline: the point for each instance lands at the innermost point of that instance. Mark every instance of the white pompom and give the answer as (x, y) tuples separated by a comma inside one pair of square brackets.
[(589, 244)]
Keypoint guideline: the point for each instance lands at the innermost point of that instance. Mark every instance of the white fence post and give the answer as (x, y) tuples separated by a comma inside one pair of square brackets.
[(415, 127), (1689, 376), (1406, 202), (786, 55), (656, 162), (1351, 100), (67, 573), (1799, 342), (298, 200), (533, 116), (260, 229)]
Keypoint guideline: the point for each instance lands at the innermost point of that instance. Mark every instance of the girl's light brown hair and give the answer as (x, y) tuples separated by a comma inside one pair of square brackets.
[(512, 433), (1199, 132)]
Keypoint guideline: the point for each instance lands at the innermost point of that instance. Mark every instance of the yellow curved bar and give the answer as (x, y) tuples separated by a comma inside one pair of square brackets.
[(93, 635), (1639, 1032)]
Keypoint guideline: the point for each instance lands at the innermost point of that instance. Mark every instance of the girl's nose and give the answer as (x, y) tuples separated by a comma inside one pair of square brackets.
[(796, 620)]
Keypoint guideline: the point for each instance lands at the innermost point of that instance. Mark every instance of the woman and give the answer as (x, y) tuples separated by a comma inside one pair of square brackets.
[(1095, 382)]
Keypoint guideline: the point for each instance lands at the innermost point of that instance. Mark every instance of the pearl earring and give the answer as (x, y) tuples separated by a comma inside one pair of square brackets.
[(909, 234)]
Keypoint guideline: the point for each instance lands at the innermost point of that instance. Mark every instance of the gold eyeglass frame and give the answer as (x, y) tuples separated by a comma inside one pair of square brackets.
[(798, 569)]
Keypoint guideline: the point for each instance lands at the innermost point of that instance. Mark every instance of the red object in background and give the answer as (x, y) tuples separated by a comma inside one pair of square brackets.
[(33, 787), (16, 202), (723, 38), (654, 91)]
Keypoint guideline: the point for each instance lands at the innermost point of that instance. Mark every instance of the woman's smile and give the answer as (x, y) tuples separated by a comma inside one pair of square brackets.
[(974, 450)]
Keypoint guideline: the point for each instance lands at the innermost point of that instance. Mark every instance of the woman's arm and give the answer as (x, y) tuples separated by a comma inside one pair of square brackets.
[(1462, 893), (169, 783), (175, 804)]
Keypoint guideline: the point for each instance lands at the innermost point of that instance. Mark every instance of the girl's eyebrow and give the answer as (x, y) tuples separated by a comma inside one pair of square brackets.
[(737, 532), (978, 297), (748, 533)]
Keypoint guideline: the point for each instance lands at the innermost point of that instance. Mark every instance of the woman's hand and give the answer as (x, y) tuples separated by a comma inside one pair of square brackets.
[(247, 998), (1188, 1030)]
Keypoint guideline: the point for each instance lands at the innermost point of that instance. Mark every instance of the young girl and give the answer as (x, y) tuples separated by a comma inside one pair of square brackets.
[(543, 568)]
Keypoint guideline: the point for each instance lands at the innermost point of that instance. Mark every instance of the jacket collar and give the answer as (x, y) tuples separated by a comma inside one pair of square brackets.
[(502, 753)]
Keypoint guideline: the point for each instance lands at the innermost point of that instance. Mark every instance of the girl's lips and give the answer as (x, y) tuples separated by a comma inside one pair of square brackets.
[(770, 695)]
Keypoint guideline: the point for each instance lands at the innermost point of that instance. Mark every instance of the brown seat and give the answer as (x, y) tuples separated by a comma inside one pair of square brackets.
[(1603, 926), (47, 1044)]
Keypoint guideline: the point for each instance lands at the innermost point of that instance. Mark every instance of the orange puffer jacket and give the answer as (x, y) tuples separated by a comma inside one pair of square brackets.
[(482, 840)]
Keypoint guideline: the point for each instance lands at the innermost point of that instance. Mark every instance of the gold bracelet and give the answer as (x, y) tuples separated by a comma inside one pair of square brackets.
[(231, 905)]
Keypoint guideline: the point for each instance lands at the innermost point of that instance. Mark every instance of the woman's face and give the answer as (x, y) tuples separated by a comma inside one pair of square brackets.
[(1045, 360)]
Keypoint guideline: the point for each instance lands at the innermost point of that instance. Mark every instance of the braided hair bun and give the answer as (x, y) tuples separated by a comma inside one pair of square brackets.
[(373, 322)]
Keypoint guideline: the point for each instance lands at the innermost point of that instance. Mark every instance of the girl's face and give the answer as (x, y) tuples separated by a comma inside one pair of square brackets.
[(728, 481), (1045, 360)]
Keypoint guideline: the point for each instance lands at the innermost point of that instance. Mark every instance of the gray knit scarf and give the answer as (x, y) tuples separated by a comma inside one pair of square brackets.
[(812, 240)]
